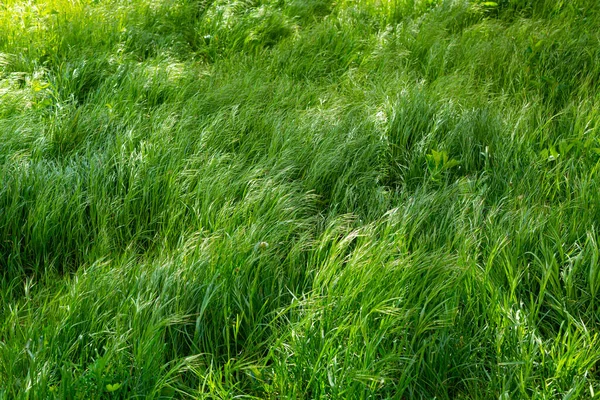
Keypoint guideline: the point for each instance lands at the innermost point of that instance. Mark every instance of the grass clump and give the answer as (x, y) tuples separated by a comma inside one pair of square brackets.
[(299, 199)]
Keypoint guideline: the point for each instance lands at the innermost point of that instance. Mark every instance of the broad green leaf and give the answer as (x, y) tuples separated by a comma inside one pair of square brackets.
[(113, 387)]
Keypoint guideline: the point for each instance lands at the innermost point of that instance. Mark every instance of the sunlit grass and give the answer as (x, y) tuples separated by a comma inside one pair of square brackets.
[(299, 199)]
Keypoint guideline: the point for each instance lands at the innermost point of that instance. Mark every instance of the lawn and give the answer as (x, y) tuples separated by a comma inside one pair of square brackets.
[(299, 199)]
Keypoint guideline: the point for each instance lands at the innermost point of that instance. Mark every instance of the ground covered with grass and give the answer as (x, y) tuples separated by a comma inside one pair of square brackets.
[(299, 199)]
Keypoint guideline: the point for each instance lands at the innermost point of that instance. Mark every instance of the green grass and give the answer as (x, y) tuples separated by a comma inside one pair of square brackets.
[(299, 199)]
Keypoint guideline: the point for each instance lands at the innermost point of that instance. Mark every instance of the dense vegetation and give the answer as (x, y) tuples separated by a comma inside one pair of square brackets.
[(299, 199)]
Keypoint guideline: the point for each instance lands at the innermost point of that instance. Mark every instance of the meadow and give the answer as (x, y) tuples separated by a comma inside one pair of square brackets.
[(299, 199)]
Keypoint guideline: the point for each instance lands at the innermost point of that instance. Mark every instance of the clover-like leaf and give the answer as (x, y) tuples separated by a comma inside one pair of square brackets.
[(113, 387)]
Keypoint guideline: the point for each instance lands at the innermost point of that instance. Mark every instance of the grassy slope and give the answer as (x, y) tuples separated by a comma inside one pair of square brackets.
[(299, 199)]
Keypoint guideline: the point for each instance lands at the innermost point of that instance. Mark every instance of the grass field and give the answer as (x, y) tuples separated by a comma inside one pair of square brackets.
[(299, 199)]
